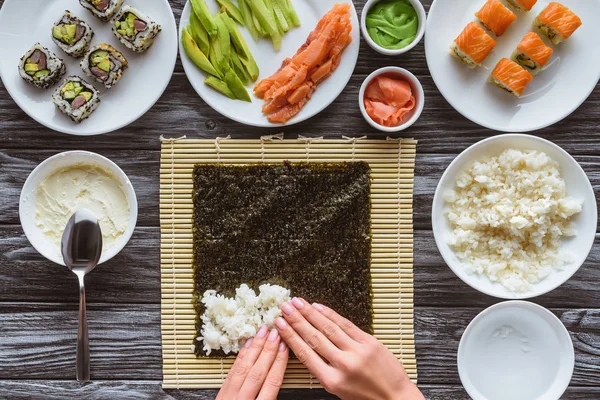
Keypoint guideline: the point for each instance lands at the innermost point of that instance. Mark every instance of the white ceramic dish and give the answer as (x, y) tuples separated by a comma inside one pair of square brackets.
[(568, 80), (417, 90), (516, 350), (142, 85), (269, 61), (578, 186), (28, 201), (422, 24)]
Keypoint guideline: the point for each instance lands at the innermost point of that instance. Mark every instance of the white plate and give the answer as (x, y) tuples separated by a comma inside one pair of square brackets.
[(516, 350), (141, 86), (269, 61), (28, 200), (578, 186), (568, 80)]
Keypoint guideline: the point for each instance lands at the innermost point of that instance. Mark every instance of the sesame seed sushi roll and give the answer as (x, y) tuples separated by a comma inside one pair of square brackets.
[(532, 53), (473, 45), (41, 67), (72, 35), (557, 22), (523, 5), (102, 9), (495, 16), (134, 29), (76, 98), (105, 64), (510, 76)]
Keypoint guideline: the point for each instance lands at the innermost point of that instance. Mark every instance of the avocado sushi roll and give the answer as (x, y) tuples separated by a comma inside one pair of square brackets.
[(102, 9), (76, 98), (105, 64), (41, 67), (134, 29), (72, 35)]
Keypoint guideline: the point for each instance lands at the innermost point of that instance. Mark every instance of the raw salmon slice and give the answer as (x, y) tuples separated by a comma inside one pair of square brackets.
[(560, 19), (475, 42), (496, 16), (534, 47), (511, 76), (524, 5)]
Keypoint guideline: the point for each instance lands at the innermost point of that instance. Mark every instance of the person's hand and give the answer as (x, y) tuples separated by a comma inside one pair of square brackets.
[(258, 370), (348, 362)]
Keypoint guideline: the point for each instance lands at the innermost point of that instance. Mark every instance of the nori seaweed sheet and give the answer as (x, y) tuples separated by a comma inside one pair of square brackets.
[(304, 226)]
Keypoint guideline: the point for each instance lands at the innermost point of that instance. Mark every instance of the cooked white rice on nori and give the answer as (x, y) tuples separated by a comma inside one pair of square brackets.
[(102, 9), (135, 29), (41, 67), (105, 64), (72, 35), (76, 98)]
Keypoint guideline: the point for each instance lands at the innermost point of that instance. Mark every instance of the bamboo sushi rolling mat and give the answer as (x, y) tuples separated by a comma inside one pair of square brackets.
[(392, 172)]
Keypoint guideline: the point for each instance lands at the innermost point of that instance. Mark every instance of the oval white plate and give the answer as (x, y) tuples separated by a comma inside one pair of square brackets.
[(269, 61), (578, 186), (516, 350), (142, 85), (28, 199), (568, 80)]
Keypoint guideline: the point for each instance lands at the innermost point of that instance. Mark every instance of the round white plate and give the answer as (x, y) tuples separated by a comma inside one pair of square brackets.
[(578, 186), (310, 13), (28, 200), (568, 80), (142, 84), (516, 350)]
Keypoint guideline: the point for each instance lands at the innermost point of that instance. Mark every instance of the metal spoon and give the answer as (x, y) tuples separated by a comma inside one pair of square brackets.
[(81, 250)]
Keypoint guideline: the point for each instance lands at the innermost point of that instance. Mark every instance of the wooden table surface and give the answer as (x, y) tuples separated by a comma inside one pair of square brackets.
[(39, 300)]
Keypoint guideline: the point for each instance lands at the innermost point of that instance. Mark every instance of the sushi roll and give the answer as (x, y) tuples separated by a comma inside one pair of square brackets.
[(76, 98), (134, 29), (532, 53), (522, 5), (72, 35), (105, 64), (510, 76), (473, 45), (102, 9), (41, 67), (557, 22), (495, 16)]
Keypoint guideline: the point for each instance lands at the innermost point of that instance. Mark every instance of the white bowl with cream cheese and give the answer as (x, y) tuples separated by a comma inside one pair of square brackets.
[(69, 181)]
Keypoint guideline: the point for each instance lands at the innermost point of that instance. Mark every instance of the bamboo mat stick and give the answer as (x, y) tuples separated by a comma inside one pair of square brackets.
[(392, 180)]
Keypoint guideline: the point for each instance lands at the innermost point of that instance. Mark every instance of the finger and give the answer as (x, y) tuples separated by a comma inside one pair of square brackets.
[(345, 325), (274, 380), (328, 328), (307, 356), (315, 339), (240, 356), (259, 371), (241, 367)]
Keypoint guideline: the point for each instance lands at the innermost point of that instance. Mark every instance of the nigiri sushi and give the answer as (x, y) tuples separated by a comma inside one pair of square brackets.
[(532, 53), (557, 22), (523, 5), (510, 76), (473, 45), (495, 16)]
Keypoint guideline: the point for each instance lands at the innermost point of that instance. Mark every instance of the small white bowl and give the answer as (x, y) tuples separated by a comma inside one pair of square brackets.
[(27, 202), (516, 350), (417, 90), (578, 186), (420, 32)]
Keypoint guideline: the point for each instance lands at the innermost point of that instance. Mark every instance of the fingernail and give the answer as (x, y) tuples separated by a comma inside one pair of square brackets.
[(297, 303), (318, 307), (248, 343), (281, 324), (282, 347), (273, 335), (262, 332), (287, 309)]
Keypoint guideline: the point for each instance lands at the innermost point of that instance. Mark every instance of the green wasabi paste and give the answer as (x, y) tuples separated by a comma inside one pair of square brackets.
[(393, 24)]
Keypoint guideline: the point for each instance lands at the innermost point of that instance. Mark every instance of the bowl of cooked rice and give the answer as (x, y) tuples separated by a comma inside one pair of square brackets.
[(514, 216)]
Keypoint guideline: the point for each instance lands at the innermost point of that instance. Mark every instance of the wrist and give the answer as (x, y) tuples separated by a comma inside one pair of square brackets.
[(407, 391)]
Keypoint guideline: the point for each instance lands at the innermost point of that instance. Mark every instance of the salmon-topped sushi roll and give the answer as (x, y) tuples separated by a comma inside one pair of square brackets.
[(523, 5), (495, 16), (532, 53), (473, 45), (557, 22), (510, 76)]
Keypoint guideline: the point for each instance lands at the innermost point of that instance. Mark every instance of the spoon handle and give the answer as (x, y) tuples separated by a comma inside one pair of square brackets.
[(83, 347)]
